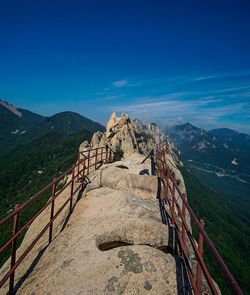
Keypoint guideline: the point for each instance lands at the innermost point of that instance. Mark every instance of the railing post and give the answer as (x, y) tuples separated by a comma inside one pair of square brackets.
[(53, 191), (200, 250), (101, 153), (96, 153), (88, 161), (151, 161), (111, 156), (183, 213), (72, 189), (83, 172), (84, 167), (78, 167), (107, 154), (13, 251)]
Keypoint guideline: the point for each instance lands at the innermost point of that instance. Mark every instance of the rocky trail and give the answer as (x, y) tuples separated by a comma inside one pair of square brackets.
[(117, 239)]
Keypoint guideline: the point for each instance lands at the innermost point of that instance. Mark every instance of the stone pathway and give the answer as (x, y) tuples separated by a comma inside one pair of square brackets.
[(115, 241)]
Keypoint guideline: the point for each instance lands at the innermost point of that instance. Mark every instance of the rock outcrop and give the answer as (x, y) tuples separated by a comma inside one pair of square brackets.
[(10, 107), (128, 135)]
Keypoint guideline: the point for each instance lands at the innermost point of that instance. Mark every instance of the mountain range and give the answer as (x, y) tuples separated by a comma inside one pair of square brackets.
[(216, 169), (34, 148), (219, 158), (19, 126), (223, 147)]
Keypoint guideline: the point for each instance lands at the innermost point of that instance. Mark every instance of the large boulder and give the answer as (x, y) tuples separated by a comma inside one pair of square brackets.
[(128, 135), (96, 138)]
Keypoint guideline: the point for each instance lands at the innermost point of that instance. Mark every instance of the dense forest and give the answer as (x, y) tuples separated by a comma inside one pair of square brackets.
[(30, 167), (228, 225)]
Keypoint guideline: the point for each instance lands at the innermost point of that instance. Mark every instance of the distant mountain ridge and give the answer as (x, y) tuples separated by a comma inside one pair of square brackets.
[(10, 107), (19, 126), (217, 176), (13, 120), (34, 148), (222, 147)]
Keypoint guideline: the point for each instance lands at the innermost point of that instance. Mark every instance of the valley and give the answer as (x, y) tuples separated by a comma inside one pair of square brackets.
[(216, 173), (236, 185), (227, 223)]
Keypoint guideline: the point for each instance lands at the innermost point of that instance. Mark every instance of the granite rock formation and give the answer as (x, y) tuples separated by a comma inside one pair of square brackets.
[(128, 135), (115, 241)]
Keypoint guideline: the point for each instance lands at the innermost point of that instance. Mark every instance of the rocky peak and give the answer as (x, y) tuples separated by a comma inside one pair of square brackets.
[(187, 126), (10, 107), (154, 128), (128, 135)]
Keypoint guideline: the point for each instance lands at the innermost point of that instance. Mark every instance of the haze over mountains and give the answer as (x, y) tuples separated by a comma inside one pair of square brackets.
[(219, 158), (222, 147)]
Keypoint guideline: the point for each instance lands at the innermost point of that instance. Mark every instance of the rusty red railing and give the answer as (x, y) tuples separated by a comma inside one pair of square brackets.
[(176, 201), (87, 161)]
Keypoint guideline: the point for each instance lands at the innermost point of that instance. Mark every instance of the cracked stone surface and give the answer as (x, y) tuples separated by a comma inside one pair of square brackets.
[(118, 209)]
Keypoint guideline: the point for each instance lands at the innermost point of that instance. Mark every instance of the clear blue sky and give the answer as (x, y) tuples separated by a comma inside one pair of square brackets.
[(166, 61)]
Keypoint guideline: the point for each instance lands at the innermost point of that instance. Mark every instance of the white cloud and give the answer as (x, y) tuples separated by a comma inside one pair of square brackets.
[(120, 83), (176, 81), (173, 108), (203, 78), (223, 103)]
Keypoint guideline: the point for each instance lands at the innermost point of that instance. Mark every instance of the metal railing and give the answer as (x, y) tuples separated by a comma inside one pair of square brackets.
[(178, 210), (87, 161)]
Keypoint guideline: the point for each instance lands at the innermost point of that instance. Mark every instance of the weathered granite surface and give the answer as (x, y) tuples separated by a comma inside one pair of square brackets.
[(113, 243)]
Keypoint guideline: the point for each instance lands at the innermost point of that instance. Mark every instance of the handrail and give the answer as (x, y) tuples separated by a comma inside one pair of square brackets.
[(150, 154), (36, 196), (110, 146), (79, 172), (183, 232)]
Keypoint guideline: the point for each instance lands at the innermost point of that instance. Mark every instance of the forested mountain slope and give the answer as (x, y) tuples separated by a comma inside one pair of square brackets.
[(18, 126), (26, 169), (228, 225)]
